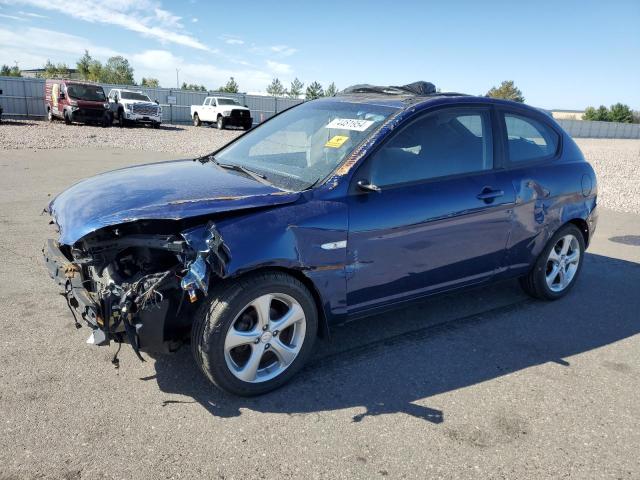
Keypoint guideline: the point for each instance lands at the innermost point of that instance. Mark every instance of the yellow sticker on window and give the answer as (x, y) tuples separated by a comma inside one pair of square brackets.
[(336, 141)]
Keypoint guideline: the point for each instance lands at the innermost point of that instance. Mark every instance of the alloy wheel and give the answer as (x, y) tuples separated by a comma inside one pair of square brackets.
[(265, 338), (562, 263)]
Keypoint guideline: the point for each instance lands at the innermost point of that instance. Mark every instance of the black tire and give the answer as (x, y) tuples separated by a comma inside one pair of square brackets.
[(220, 123), (49, 115), (219, 312), (196, 120), (67, 118), (535, 284), (155, 125), (122, 122), (247, 126), (107, 120)]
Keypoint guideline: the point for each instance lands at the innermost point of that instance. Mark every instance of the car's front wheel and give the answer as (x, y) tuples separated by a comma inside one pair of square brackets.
[(254, 334), (196, 120), (558, 266), (220, 123)]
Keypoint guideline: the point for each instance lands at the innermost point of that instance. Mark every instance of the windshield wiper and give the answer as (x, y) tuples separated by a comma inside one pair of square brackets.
[(240, 168)]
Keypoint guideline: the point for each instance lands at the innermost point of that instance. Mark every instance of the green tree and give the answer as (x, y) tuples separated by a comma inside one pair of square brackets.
[(52, 70), (231, 86), (589, 114), (276, 88), (295, 90), (193, 86), (83, 65), (508, 91), (118, 70), (331, 90), (7, 71), (314, 90), (602, 114), (150, 82), (620, 113), (95, 73)]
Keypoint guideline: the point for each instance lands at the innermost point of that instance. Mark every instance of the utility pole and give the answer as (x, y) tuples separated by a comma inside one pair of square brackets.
[(177, 80)]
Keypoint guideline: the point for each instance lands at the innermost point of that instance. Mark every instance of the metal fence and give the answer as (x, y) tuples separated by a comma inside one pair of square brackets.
[(586, 129), (24, 97)]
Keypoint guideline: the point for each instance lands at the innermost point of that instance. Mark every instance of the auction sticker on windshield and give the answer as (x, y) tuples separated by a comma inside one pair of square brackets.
[(336, 141), (350, 124)]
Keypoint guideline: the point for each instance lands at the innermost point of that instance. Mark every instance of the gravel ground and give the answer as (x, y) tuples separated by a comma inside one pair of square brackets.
[(617, 162), (181, 139)]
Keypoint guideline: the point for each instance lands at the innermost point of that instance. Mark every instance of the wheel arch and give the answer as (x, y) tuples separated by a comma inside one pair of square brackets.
[(583, 226), (323, 323)]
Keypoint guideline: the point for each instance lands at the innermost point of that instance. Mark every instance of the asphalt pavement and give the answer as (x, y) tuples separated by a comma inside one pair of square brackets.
[(483, 383)]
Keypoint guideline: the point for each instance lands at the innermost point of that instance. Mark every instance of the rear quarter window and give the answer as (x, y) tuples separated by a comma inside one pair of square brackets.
[(528, 139)]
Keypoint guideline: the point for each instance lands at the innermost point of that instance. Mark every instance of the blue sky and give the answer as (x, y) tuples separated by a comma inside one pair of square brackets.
[(562, 54)]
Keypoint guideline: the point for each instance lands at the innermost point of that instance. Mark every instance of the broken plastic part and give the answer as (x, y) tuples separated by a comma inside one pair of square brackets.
[(210, 255)]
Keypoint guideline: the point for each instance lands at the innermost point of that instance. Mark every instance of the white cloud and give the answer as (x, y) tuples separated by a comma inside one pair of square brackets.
[(283, 50), (11, 17), (234, 41), (279, 68), (194, 20), (31, 47), (132, 15), (162, 64), (32, 15)]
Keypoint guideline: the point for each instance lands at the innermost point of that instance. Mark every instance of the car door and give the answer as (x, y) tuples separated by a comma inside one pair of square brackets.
[(211, 114), (429, 210)]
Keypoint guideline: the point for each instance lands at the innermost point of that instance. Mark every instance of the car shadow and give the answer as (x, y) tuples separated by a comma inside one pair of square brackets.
[(395, 362)]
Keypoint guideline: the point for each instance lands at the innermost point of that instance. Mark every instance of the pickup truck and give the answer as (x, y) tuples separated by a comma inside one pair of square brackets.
[(221, 111), (128, 106)]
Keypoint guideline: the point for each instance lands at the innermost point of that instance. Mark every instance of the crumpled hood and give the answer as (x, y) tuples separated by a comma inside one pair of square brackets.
[(159, 191)]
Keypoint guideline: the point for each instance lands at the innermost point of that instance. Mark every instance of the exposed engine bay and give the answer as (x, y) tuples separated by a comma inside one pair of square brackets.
[(138, 288)]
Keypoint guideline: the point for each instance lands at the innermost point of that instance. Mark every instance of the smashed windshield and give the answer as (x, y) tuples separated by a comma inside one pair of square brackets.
[(227, 101), (135, 96), (91, 93), (306, 143)]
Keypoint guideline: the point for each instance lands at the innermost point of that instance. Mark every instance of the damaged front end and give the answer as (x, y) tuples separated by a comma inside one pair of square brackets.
[(134, 287)]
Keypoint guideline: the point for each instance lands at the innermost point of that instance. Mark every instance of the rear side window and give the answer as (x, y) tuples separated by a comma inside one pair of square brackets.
[(528, 139), (447, 142)]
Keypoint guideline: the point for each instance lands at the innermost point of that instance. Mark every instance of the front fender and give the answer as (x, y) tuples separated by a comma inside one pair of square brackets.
[(308, 237)]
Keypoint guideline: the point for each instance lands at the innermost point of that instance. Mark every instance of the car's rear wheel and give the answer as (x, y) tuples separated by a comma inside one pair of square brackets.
[(556, 269), (49, 115), (253, 335), (247, 126), (220, 123), (67, 118), (196, 120)]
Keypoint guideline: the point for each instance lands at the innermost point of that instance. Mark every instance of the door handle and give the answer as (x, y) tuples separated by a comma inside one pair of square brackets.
[(488, 194)]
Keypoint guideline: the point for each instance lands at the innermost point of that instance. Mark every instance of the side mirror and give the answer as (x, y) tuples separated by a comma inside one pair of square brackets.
[(246, 106), (157, 102), (368, 187)]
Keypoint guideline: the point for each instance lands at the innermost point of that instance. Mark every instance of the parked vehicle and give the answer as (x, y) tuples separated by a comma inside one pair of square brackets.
[(128, 106), (75, 101), (1, 110), (332, 210), (223, 112)]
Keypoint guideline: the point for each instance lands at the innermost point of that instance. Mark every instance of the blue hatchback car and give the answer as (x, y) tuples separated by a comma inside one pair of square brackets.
[(334, 209)]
